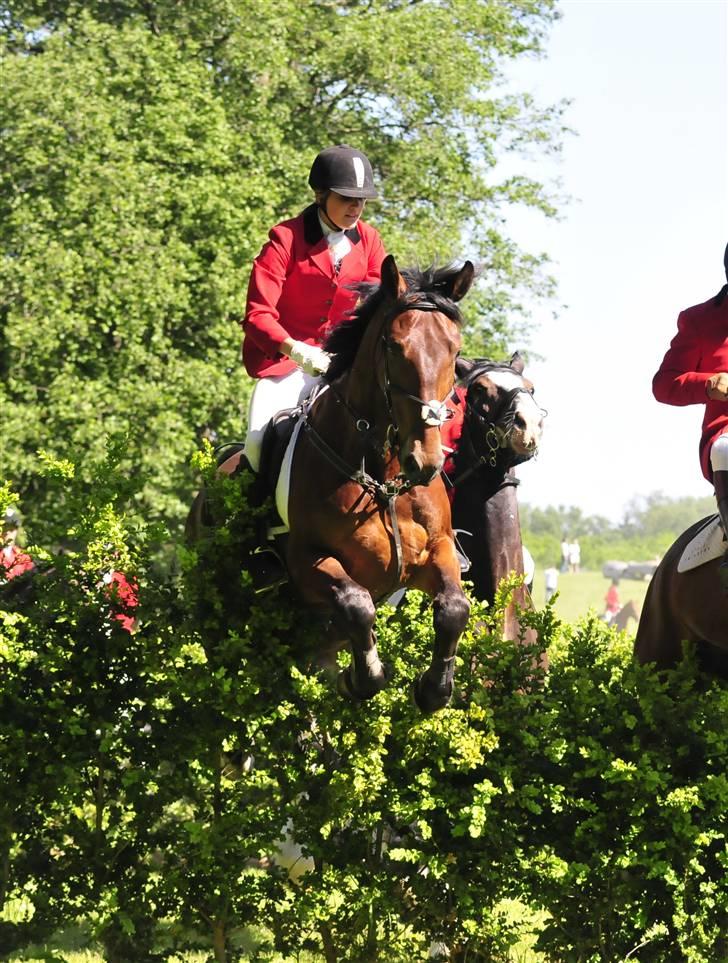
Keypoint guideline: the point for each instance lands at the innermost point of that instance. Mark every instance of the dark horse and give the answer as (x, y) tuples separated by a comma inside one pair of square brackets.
[(367, 509), (684, 607), (502, 428)]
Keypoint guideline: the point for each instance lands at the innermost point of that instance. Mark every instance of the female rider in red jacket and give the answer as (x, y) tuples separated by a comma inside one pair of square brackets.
[(300, 286), (695, 371)]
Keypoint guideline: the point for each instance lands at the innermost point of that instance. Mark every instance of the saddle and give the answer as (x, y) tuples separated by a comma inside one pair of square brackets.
[(276, 438), (265, 562)]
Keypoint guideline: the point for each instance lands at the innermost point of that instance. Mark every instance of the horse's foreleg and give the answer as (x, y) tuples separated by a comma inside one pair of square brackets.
[(325, 584), (433, 689)]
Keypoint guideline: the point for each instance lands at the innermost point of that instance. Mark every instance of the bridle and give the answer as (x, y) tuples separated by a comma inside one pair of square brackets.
[(433, 413), (496, 426)]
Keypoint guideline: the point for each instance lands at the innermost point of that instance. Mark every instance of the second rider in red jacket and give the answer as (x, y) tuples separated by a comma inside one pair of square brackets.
[(695, 372)]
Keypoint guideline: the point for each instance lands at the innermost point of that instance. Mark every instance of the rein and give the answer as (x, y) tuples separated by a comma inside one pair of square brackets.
[(434, 413)]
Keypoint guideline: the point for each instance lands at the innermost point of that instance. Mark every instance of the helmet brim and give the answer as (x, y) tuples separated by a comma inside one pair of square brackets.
[(348, 191)]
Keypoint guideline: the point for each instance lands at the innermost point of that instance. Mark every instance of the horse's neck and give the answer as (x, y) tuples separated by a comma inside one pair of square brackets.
[(503, 535), (488, 478), (354, 422), (504, 532)]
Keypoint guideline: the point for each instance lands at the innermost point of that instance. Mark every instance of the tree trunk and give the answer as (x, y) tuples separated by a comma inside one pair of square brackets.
[(219, 941)]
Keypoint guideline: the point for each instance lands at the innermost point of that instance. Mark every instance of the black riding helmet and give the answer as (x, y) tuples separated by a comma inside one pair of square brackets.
[(344, 170)]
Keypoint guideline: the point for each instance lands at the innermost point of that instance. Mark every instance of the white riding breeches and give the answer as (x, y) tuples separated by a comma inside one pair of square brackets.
[(270, 396), (719, 453)]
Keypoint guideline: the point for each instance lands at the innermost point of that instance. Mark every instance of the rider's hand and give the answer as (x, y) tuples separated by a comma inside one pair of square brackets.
[(311, 358), (716, 387)]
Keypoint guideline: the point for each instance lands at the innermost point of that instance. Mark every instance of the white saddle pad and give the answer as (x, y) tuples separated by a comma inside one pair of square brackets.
[(703, 547), (283, 485)]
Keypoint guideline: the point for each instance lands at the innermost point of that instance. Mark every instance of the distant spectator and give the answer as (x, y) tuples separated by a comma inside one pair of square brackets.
[(529, 568), (13, 560), (574, 556), (612, 605), (565, 553), (551, 581)]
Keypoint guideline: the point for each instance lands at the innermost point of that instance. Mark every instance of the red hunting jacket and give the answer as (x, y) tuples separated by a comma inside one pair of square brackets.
[(294, 292), (698, 350)]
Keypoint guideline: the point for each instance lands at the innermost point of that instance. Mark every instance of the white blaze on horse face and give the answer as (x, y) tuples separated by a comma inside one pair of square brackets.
[(525, 436)]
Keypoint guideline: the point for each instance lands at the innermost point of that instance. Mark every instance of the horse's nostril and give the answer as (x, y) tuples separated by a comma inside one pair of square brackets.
[(520, 422), (411, 465)]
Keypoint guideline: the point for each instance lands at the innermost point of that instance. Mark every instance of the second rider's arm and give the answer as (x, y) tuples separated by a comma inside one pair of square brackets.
[(679, 380)]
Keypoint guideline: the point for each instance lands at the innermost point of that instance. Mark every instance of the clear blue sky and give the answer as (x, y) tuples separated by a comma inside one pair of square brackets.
[(642, 238)]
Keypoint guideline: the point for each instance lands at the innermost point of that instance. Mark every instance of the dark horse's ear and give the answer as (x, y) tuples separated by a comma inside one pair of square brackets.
[(392, 281), (517, 362), (462, 281), (463, 367)]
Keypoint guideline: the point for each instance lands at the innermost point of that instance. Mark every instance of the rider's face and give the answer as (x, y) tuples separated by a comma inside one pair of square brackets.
[(343, 212)]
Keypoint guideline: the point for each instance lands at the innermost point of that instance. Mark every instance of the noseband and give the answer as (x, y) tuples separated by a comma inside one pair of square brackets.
[(434, 413), (498, 426)]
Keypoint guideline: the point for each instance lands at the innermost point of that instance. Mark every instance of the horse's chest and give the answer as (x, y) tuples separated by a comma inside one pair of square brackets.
[(359, 527)]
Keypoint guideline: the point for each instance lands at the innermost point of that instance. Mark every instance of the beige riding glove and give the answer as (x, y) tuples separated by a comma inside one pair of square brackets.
[(716, 387), (311, 358)]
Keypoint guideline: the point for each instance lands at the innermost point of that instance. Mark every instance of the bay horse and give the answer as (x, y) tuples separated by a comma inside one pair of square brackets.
[(684, 607), (502, 427), (622, 617), (367, 508)]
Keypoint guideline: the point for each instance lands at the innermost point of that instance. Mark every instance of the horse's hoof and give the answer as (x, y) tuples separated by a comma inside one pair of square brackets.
[(346, 687), (430, 700)]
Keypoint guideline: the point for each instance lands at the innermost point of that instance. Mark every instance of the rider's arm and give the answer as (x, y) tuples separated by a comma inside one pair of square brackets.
[(679, 380), (374, 260), (270, 269)]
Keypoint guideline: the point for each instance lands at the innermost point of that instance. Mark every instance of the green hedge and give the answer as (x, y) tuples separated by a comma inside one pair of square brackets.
[(147, 777)]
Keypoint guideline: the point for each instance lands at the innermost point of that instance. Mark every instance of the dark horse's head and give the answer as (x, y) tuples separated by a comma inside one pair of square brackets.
[(400, 345), (505, 421)]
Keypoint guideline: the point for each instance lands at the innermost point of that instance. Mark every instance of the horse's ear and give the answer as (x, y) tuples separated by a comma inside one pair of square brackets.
[(517, 362), (392, 281), (463, 367), (463, 280)]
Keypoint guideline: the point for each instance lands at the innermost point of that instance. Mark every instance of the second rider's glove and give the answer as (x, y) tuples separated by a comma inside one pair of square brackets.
[(310, 357), (716, 387)]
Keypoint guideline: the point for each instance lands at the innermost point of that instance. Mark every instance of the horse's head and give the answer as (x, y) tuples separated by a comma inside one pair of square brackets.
[(420, 339), (501, 409)]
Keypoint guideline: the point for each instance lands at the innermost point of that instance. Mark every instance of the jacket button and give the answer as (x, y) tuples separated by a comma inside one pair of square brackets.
[(328, 302)]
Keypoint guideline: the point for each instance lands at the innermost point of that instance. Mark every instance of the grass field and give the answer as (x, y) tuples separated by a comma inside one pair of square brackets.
[(579, 592)]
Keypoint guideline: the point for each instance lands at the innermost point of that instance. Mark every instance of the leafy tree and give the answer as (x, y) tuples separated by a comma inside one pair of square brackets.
[(657, 514), (148, 147), (650, 524)]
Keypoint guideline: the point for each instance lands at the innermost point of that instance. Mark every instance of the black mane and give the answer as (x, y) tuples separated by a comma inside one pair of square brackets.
[(343, 341)]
